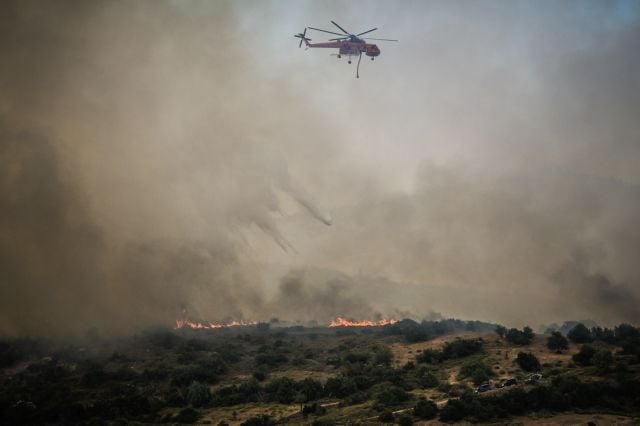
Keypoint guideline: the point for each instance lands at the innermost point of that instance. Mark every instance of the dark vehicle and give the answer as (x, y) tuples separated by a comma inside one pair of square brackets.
[(508, 382), (483, 388)]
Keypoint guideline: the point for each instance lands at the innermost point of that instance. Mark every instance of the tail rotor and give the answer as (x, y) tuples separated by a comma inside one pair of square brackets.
[(303, 37)]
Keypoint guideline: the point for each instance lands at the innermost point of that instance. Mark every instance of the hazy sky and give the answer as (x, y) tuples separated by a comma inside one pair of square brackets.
[(165, 155)]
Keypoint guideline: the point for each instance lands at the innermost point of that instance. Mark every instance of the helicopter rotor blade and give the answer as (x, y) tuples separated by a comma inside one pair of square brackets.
[(341, 29), (381, 39), (337, 39), (325, 31), (366, 32), (303, 37)]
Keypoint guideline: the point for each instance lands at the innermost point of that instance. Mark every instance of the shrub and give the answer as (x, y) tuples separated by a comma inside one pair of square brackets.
[(356, 358), (425, 409), (477, 371), (584, 356), (261, 374), (198, 394), (282, 389), (520, 338), (187, 415), (557, 342), (461, 348), (580, 334), (391, 395), (428, 380), (405, 420), (383, 356), (386, 417), (314, 408), (311, 389), (602, 359), (430, 356), (528, 361), (454, 411), (199, 373), (261, 420), (271, 358)]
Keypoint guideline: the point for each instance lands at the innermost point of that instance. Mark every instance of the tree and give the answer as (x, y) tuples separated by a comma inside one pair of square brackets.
[(580, 334), (310, 389), (187, 415), (198, 394), (557, 342), (261, 420), (477, 371), (528, 333), (528, 361), (584, 356), (501, 330), (427, 379), (383, 356), (391, 395), (386, 417), (520, 338), (602, 359), (405, 420), (425, 409)]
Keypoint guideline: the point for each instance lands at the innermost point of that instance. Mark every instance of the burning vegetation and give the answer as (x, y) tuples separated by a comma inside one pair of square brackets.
[(342, 322), (185, 323)]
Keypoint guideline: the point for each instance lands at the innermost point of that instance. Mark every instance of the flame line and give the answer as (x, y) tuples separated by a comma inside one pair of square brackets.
[(185, 323), (342, 322)]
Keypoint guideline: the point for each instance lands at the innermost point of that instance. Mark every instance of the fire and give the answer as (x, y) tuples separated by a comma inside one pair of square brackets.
[(342, 322), (185, 323)]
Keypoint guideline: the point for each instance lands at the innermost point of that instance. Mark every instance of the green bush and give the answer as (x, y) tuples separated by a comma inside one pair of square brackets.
[(428, 380), (405, 420), (603, 360), (430, 356), (389, 395), (520, 338), (528, 361), (261, 420), (198, 394), (386, 417), (383, 356), (425, 409), (477, 371), (187, 415), (461, 348), (584, 356), (580, 334), (557, 342)]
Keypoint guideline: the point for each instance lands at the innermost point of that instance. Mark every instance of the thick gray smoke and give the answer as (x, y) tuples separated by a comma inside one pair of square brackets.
[(161, 156)]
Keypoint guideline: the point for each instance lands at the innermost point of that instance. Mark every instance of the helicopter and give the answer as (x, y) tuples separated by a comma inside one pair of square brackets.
[(348, 44)]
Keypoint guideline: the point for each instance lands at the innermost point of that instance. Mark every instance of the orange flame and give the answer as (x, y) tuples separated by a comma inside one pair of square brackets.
[(185, 323), (342, 322)]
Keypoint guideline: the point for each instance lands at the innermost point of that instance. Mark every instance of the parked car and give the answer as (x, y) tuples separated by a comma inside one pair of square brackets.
[(534, 378), (508, 382), (483, 388)]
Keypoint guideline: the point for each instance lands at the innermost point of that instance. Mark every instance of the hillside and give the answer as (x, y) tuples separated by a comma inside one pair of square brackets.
[(406, 372)]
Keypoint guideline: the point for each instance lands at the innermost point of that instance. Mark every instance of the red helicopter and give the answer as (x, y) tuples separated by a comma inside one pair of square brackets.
[(347, 44)]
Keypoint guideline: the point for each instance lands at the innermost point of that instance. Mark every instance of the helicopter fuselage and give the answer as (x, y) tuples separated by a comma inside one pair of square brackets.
[(349, 48)]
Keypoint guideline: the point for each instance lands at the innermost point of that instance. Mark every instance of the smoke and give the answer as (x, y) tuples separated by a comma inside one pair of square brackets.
[(161, 156), (134, 171), (301, 196)]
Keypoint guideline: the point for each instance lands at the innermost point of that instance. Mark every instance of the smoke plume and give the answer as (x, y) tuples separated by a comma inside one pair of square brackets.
[(157, 156)]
